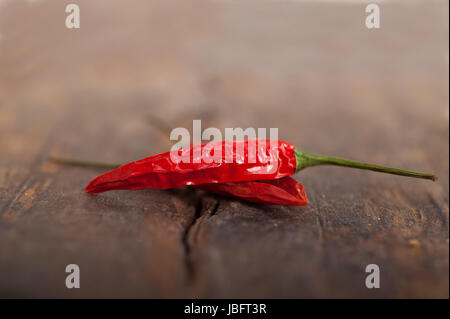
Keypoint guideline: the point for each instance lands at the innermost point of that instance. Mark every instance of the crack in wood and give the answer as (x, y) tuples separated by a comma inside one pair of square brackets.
[(185, 239), (215, 209), (202, 211)]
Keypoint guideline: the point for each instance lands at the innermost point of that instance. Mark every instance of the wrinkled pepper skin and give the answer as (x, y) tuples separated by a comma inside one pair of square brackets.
[(283, 191), (160, 172)]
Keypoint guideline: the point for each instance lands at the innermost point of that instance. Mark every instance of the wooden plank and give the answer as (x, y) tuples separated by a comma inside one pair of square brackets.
[(329, 85), (127, 244), (354, 218), (321, 251)]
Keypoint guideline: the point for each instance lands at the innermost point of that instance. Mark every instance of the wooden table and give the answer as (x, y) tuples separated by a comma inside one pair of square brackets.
[(113, 89)]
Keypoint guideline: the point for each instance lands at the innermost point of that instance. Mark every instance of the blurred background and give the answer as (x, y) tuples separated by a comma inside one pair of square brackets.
[(113, 89)]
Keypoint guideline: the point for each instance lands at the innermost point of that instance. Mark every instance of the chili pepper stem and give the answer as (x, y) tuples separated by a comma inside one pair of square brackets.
[(75, 162), (304, 160)]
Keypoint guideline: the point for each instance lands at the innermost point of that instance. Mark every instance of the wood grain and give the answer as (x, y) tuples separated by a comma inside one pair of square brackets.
[(112, 90)]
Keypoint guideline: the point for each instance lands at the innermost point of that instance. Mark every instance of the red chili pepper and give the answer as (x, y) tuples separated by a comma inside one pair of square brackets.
[(161, 172), (254, 176), (283, 191)]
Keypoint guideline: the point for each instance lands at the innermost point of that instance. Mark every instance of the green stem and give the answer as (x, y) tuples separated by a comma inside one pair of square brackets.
[(306, 160), (74, 162)]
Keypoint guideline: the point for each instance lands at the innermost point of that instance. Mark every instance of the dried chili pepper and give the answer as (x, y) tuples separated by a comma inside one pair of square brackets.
[(256, 181), (161, 172)]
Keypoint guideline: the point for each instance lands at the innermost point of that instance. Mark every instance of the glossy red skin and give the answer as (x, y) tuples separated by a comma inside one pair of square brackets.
[(283, 191), (160, 172)]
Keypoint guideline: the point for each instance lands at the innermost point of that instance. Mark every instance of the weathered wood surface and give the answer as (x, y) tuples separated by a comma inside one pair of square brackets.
[(330, 85)]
